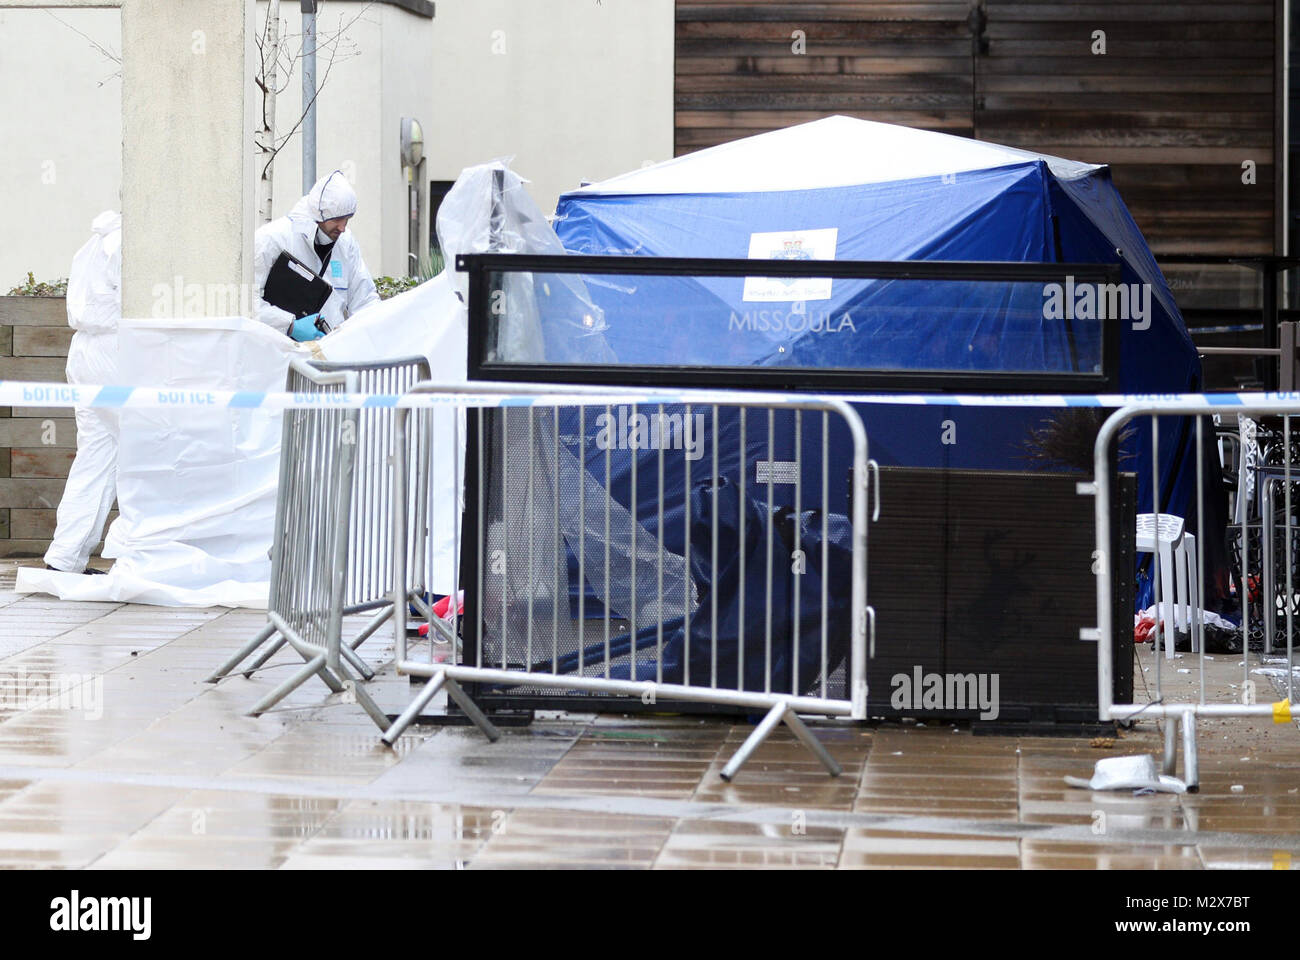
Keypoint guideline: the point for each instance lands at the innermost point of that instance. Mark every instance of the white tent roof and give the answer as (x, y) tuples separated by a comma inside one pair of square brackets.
[(832, 152)]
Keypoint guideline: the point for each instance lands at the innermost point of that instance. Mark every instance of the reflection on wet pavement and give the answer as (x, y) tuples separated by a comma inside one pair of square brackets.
[(141, 764)]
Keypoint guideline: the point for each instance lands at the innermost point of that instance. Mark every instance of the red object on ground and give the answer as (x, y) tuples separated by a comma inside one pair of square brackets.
[(441, 608), (1143, 629)]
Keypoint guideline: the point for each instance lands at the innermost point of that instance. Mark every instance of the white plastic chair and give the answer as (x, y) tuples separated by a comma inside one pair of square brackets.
[(1189, 589), (1175, 551)]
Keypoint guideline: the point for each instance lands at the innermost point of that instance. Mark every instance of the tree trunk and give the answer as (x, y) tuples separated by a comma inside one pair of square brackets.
[(266, 133)]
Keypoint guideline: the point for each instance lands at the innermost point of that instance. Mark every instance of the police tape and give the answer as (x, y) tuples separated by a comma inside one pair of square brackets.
[(1227, 328), (63, 395), (57, 395)]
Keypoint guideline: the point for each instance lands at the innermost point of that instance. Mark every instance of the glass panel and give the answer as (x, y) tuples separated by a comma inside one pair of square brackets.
[(928, 325)]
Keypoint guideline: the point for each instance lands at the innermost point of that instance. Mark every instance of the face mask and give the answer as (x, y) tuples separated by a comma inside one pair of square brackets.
[(321, 237)]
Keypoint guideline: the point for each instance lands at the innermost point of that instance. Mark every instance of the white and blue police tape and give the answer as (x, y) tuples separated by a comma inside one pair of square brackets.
[(1228, 328), (28, 394), (55, 395)]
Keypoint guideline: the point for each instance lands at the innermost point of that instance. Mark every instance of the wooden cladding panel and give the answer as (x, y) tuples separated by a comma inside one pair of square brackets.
[(1182, 97), (738, 72)]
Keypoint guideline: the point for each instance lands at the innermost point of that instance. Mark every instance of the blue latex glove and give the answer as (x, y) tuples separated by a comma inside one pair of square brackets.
[(304, 328)]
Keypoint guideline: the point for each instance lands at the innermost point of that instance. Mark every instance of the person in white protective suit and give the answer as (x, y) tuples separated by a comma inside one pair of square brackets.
[(315, 232), (94, 308)]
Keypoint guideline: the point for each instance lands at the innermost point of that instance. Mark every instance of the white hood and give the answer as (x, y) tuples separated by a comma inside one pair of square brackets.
[(109, 226), (332, 196), (94, 298)]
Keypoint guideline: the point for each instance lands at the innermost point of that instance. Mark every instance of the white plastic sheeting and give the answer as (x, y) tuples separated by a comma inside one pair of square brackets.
[(195, 488), (428, 321)]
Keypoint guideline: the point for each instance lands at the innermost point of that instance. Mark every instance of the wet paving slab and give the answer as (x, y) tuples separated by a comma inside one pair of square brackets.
[(149, 766)]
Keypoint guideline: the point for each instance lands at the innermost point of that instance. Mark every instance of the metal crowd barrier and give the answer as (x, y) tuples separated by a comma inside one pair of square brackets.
[(331, 554), (696, 546), (1180, 715)]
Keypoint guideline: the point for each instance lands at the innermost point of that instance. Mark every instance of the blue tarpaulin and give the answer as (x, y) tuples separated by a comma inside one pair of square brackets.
[(845, 189), (848, 189)]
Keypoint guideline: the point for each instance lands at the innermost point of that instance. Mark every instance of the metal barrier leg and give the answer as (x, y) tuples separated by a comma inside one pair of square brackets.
[(421, 606), (359, 665), (363, 697), (313, 667), (347, 650), (1191, 764), (761, 733), (224, 670), (457, 693), (1170, 765), (413, 710), (267, 654), (806, 737), (375, 623)]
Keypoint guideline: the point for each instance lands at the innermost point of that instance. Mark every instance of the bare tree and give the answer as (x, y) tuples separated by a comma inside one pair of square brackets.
[(268, 81), (278, 54), (108, 54)]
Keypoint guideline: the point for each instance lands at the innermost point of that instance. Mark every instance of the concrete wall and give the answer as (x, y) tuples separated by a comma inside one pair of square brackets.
[(573, 89), (187, 163), (61, 131), (61, 124), (379, 75), (407, 67)]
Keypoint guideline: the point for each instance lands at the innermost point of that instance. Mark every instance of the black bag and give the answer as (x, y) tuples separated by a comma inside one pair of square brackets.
[(292, 286)]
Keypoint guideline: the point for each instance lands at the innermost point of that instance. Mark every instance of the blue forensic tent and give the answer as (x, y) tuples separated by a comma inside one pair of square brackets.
[(848, 189), (835, 189)]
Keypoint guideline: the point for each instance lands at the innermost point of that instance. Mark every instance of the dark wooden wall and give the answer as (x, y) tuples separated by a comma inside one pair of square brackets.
[(1183, 95), (37, 444)]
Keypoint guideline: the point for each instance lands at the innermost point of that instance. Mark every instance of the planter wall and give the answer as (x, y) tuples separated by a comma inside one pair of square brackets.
[(37, 444)]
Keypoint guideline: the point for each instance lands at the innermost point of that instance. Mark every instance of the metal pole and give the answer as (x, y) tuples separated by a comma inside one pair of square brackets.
[(308, 8), (1268, 306), (1287, 356)]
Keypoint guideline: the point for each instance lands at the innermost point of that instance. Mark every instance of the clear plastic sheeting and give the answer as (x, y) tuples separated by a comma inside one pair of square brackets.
[(548, 507), (488, 210)]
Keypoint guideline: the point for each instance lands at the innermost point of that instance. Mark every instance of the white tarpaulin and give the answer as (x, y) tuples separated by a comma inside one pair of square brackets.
[(195, 488), (196, 491)]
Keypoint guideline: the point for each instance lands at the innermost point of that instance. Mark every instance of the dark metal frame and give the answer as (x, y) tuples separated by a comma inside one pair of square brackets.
[(481, 266), (496, 701), (1269, 268)]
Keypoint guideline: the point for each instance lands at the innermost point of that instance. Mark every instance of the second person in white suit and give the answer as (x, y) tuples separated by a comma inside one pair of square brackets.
[(315, 232)]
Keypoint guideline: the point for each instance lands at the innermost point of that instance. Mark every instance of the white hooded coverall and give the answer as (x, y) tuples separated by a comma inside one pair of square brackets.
[(331, 197), (94, 308)]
